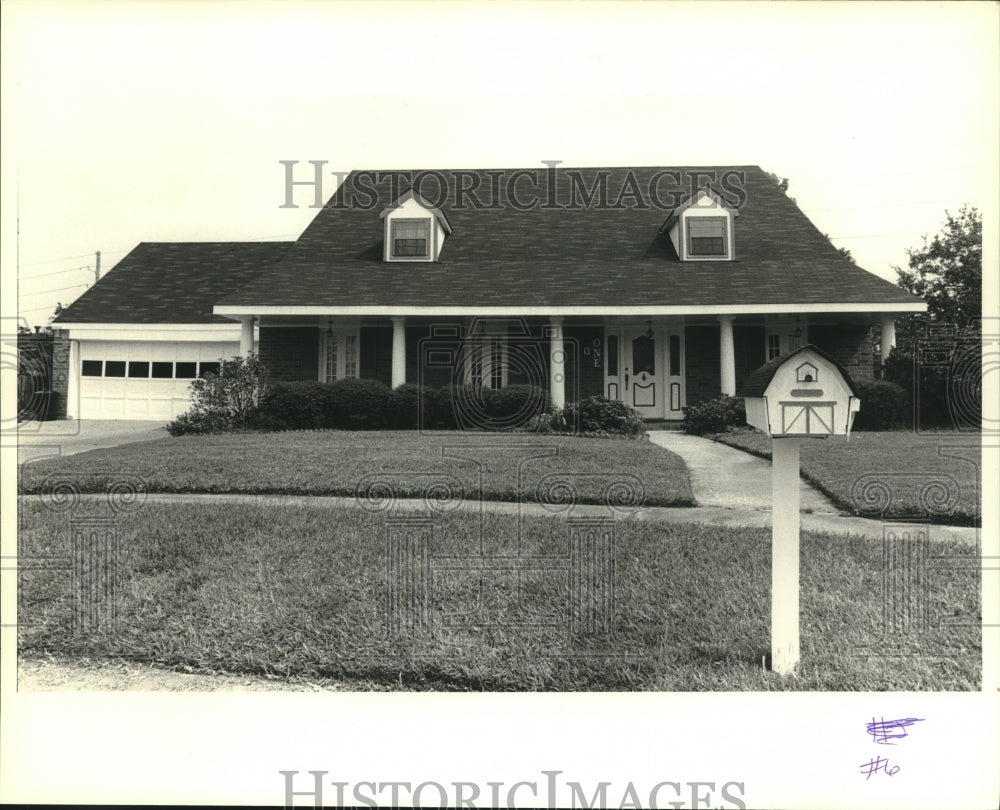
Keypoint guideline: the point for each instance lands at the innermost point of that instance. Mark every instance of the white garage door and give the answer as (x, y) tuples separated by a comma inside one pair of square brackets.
[(143, 380)]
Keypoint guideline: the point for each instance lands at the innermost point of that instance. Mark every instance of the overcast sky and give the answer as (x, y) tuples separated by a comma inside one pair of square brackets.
[(148, 122)]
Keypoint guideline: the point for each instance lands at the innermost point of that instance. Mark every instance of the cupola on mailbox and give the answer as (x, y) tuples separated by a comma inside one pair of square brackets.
[(803, 393)]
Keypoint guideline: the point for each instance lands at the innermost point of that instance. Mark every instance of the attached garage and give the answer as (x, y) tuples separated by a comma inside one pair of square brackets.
[(140, 335), (143, 380)]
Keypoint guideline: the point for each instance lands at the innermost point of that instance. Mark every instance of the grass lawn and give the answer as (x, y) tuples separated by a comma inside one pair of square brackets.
[(405, 462), (891, 473), (301, 590)]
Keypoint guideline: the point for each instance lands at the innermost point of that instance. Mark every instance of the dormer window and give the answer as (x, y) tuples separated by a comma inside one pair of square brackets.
[(701, 228), (411, 238), (707, 237), (414, 230)]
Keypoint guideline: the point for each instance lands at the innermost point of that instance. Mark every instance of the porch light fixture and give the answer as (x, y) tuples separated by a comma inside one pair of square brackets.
[(649, 330), (329, 328), (798, 328)]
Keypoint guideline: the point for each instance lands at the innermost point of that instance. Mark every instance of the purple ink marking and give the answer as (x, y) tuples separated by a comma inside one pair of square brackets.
[(876, 765), (884, 732)]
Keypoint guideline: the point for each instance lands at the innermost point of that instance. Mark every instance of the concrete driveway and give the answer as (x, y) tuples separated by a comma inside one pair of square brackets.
[(66, 437)]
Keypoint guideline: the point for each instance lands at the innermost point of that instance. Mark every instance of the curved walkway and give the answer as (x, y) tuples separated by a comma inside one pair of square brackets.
[(724, 477)]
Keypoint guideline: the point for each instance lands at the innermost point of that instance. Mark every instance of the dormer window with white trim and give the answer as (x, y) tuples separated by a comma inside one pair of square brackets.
[(411, 238), (414, 230), (706, 237), (701, 228)]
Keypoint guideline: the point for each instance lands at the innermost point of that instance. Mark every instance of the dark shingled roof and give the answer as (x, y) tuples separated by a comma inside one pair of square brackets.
[(587, 256), (756, 384), (172, 282)]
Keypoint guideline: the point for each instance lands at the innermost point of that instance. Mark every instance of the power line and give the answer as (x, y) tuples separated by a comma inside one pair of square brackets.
[(33, 309), (53, 261), (886, 205), (49, 292), (57, 272), (884, 174), (877, 235)]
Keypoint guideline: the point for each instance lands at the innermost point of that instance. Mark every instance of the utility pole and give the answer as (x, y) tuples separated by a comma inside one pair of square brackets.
[(97, 268)]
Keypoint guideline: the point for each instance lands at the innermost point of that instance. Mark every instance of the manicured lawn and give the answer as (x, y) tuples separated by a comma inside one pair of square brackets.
[(404, 463), (892, 473), (302, 590)]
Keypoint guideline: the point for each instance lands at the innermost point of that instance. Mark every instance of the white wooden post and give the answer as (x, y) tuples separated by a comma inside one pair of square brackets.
[(246, 336), (398, 351), (557, 364), (727, 356), (785, 554), (888, 325), (73, 381)]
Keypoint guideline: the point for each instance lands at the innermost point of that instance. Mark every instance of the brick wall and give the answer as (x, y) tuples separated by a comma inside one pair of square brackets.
[(749, 351), (703, 368), (60, 375), (585, 372), (376, 353), (290, 352), (848, 344), (44, 357)]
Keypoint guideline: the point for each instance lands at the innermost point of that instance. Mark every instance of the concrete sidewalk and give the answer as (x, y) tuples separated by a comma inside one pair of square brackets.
[(727, 478), (714, 515)]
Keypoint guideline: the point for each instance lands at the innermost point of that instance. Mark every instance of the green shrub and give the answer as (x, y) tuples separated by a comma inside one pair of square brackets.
[(404, 407), (884, 405), (594, 414), (357, 404), (298, 405), (940, 394), (715, 415), (512, 406), (226, 400)]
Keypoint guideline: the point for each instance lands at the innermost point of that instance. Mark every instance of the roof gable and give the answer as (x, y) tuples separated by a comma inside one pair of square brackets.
[(409, 195), (172, 282)]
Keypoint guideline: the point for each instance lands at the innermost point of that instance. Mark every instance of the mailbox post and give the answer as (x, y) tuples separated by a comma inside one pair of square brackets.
[(805, 394)]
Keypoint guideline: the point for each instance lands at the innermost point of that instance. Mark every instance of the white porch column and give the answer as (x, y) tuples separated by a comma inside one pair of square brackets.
[(398, 351), (246, 336), (557, 364), (888, 325), (727, 355)]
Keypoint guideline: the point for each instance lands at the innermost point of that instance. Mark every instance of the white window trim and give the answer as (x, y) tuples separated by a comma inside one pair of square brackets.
[(483, 346), (717, 213), (767, 345), (341, 336), (390, 222)]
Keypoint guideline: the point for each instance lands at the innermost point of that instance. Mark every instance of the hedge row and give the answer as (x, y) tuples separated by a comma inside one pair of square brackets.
[(357, 404), (884, 406)]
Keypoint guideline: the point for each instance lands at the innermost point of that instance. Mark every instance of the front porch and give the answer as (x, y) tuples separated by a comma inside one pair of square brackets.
[(656, 364)]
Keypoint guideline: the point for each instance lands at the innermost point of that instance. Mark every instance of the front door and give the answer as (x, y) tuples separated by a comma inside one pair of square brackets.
[(641, 374), (644, 369)]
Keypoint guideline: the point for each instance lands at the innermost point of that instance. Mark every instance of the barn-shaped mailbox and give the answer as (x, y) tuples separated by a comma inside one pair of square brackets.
[(803, 393)]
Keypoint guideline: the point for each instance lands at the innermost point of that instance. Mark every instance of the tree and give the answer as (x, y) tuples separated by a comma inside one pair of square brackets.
[(947, 271)]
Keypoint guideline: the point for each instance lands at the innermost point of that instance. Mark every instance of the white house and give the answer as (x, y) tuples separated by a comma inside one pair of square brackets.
[(657, 286)]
